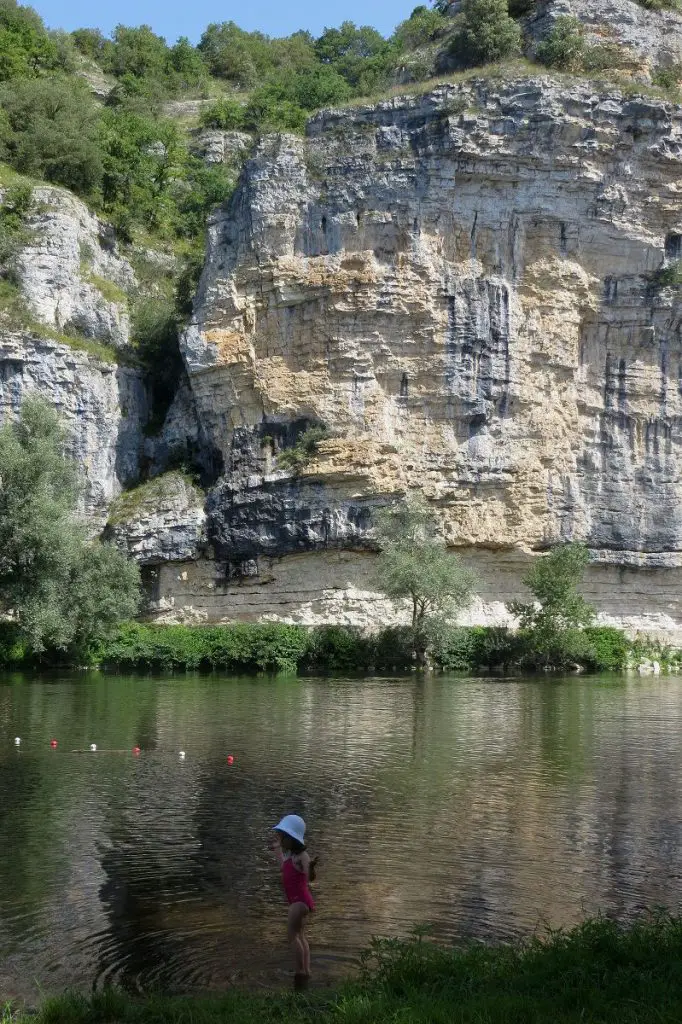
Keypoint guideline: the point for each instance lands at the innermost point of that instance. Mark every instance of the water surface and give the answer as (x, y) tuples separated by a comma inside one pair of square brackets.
[(488, 808)]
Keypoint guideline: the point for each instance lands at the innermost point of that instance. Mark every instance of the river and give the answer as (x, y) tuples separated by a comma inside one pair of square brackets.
[(483, 808)]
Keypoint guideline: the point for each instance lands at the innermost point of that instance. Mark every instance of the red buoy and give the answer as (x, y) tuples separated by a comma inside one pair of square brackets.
[(53, 744), (136, 751), (230, 759)]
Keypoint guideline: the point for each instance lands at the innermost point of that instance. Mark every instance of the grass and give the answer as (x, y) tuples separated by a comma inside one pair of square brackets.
[(152, 494), (107, 289), (597, 973)]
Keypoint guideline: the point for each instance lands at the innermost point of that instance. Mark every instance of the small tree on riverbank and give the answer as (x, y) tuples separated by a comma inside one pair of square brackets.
[(58, 589), (414, 564), (553, 624)]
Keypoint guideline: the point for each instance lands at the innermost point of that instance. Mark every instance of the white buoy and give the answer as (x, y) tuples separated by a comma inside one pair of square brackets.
[(17, 741), (181, 755), (93, 746)]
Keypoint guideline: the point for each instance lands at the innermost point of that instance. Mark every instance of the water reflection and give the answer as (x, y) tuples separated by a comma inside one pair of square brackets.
[(485, 807)]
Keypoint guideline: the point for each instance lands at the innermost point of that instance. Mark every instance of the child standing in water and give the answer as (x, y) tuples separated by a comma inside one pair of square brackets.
[(297, 871)]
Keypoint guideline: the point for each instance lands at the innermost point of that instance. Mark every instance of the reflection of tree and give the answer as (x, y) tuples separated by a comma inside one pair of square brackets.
[(483, 806)]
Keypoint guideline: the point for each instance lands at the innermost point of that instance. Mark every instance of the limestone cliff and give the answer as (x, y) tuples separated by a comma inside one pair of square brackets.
[(471, 290)]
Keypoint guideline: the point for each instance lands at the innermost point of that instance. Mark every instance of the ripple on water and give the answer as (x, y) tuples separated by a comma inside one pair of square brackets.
[(485, 808)]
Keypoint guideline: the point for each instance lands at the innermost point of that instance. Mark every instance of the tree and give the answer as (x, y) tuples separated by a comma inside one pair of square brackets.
[(62, 591), (420, 28), (488, 33), (564, 47), (361, 55), (50, 132), (414, 564), (26, 49), (553, 623)]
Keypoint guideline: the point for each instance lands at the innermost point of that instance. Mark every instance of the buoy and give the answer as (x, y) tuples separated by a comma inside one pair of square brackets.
[(230, 759), (181, 755), (93, 746), (136, 751), (53, 744), (17, 741)]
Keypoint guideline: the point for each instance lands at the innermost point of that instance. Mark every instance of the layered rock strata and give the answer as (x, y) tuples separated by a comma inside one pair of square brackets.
[(474, 292)]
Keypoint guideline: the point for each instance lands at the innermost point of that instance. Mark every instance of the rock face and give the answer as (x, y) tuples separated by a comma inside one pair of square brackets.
[(470, 290), (160, 521), (651, 39), (70, 274), (104, 408)]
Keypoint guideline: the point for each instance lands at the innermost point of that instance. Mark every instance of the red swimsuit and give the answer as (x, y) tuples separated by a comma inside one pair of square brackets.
[(296, 884)]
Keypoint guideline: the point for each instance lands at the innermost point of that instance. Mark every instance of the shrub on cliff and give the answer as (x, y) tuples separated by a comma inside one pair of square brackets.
[(48, 130), (488, 33), (59, 590), (420, 28)]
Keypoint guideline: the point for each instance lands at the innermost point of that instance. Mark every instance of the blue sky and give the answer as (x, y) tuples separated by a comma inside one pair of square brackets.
[(178, 17)]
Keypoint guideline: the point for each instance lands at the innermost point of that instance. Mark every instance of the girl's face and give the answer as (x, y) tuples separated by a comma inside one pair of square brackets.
[(285, 841)]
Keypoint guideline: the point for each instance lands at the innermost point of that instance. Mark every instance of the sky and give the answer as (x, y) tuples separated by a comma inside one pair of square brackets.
[(179, 18)]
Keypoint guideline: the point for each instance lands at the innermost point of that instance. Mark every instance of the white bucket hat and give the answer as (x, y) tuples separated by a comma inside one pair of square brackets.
[(292, 826)]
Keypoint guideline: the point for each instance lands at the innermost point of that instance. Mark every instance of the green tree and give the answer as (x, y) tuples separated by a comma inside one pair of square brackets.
[(488, 34), (414, 564), (138, 52), (420, 28), (554, 621), (61, 590), (26, 48), (50, 132), (564, 47), (361, 55)]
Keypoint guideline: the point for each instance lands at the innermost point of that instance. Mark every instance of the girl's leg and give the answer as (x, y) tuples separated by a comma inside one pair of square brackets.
[(297, 914), (306, 953)]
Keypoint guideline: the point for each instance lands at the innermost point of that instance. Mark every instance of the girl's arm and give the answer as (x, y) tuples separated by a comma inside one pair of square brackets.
[(303, 863)]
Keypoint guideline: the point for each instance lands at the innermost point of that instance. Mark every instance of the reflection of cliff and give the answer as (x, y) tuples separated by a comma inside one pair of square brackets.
[(484, 807)]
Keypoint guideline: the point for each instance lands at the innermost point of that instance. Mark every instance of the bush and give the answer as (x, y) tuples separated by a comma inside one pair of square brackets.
[(26, 48), (422, 26), (296, 458), (668, 77), (226, 114), (564, 47), (50, 132), (611, 648), (488, 33)]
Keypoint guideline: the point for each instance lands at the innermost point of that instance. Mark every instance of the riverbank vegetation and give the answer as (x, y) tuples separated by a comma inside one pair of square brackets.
[(60, 593), (596, 972)]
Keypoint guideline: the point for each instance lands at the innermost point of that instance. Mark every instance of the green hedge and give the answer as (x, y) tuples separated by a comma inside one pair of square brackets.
[(275, 647)]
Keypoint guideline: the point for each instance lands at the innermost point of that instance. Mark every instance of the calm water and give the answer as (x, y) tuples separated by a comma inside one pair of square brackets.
[(487, 808)]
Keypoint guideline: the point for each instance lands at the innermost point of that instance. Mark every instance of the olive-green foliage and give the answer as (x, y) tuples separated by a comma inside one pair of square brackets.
[(226, 114), (597, 972), (661, 5), (63, 592), (155, 333), (14, 235), (552, 625), (565, 48), (48, 129), (669, 276), (359, 54), (297, 457), (415, 565), (488, 33), (612, 649), (668, 77), (144, 65), (26, 48), (422, 26)]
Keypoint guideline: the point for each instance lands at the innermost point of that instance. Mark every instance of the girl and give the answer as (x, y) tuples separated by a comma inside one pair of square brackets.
[(297, 871)]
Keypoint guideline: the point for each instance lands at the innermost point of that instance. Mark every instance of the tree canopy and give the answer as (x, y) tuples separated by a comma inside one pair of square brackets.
[(414, 565), (61, 590)]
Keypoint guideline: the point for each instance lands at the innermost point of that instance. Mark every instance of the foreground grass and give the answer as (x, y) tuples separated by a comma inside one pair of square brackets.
[(597, 973)]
